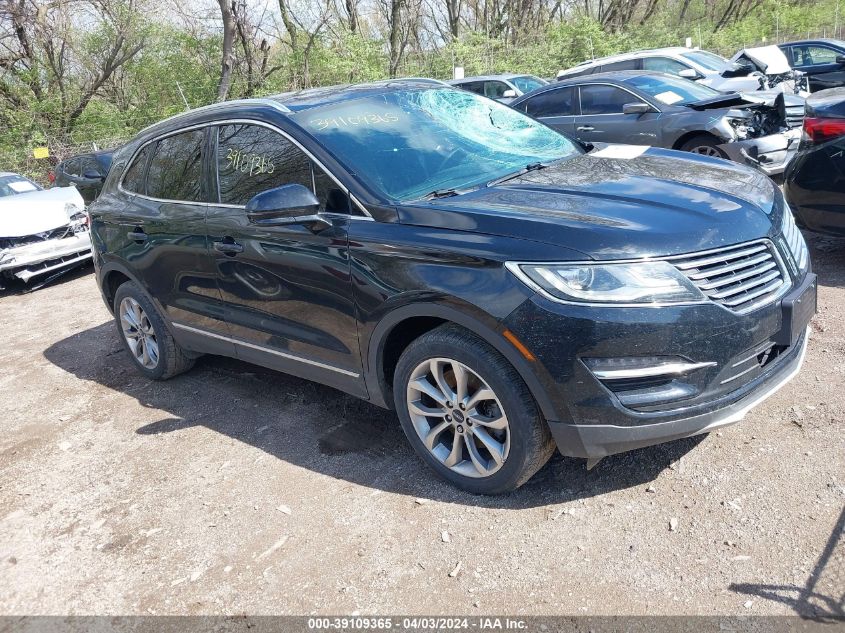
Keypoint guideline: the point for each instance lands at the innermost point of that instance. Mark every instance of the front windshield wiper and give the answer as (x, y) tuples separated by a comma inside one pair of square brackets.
[(440, 193), (529, 167)]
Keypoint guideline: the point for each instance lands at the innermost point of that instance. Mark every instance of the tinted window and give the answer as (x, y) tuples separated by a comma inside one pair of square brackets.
[(625, 64), (331, 196), (473, 86), (133, 181), (495, 89), (252, 159), (558, 102), (71, 167), (603, 99), (175, 171), (663, 65)]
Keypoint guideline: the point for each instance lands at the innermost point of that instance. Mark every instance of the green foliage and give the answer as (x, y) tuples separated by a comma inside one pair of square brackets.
[(177, 66)]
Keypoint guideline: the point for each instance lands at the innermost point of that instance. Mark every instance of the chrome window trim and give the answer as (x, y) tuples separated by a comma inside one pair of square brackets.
[(269, 350), (236, 121)]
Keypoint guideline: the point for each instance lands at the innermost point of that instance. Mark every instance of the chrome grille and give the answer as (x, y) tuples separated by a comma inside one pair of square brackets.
[(741, 278)]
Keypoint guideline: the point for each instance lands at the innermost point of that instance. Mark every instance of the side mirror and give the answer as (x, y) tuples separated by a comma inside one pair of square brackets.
[(840, 59), (688, 73), (636, 108), (510, 93), (93, 175), (288, 204)]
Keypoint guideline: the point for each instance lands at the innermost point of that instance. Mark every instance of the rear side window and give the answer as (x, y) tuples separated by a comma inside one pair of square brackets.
[(473, 86), (495, 89), (133, 181), (604, 99), (551, 103), (71, 167), (626, 64), (175, 171)]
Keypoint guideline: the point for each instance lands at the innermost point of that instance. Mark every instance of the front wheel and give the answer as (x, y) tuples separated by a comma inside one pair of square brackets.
[(468, 414), (704, 145)]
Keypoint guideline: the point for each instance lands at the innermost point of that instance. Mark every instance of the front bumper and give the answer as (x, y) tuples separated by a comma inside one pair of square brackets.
[(773, 152), (600, 440), (32, 260)]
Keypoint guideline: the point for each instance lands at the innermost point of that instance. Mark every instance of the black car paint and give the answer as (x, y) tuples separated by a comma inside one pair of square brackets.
[(344, 298), (819, 76), (814, 182)]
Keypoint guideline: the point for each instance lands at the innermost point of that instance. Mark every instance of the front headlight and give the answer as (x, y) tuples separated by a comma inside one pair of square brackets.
[(794, 240), (656, 282)]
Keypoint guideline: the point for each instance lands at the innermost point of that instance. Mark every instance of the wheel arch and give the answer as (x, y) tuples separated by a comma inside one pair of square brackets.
[(112, 276), (688, 136), (398, 328)]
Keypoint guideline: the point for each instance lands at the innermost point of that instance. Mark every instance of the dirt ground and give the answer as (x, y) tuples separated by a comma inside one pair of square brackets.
[(233, 490)]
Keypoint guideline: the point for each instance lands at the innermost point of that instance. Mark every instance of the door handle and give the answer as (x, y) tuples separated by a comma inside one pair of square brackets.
[(137, 235), (228, 247), (585, 128)]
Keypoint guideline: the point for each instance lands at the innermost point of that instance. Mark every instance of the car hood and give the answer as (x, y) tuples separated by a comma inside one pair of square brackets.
[(38, 211), (616, 203), (770, 58)]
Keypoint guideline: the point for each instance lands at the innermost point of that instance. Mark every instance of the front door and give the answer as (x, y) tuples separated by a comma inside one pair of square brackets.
[(603, 121), (819, 62), (286, 289)]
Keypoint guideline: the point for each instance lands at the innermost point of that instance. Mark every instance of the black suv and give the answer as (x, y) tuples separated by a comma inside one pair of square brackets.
[(439, 253)]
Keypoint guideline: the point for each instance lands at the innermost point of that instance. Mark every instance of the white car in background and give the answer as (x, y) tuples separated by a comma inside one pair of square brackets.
[(43, 232), (701, 66)]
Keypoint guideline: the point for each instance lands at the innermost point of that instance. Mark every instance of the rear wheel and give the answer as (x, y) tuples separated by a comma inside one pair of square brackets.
[(152, 348), (704, 145), (468, 413)]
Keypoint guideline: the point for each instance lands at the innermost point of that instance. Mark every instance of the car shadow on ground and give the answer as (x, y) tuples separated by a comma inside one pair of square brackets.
[(319, 428), (828, 257), (16, 287), (827, 577)]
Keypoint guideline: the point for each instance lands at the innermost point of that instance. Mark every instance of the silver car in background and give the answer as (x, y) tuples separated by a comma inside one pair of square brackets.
[(502, 88), (701, 66)]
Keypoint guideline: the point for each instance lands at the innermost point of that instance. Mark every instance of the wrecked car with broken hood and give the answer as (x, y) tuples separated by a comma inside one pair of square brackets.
[(42, 232), (661, 110), (772, 62)]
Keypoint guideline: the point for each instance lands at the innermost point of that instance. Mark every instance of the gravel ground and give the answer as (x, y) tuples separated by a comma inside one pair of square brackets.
[(233, 490)]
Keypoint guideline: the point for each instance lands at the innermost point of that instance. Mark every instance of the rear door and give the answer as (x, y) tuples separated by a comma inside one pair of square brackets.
[(162, 227), (286, 289), (603, 121), (556, 108)]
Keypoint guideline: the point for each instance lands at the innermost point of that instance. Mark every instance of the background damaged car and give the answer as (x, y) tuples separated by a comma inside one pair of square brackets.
[(771, 61), (660, 110), (41, 231)]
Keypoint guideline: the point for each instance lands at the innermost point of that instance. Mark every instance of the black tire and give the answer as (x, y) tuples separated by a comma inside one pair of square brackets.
[(530, 442), (704, 144), (171, 358)]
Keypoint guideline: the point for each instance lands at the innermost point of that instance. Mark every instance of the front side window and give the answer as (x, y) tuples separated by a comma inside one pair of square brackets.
[(175, 171), (473, 86), (252, 159), (814, 55), (495, 89), (408, 143), (663, 65), (604, 99), (551, 103)]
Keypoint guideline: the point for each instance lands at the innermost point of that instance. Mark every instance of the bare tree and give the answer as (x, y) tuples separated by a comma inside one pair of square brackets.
[(228, 52)]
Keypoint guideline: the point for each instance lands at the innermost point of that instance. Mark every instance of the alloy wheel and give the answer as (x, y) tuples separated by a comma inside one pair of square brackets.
[(706, 150), (139, 333), (458, 417)]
